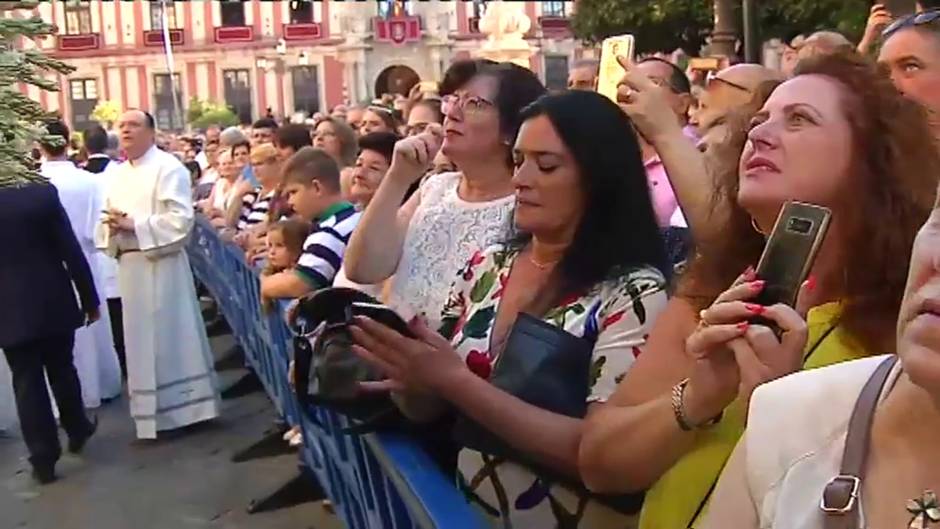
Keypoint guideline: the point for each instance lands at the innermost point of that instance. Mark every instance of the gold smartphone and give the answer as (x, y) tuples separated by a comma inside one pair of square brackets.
[(790, 251), (611, 72)]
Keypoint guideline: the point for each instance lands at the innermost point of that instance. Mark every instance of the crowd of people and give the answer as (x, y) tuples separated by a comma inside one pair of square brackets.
[(511, 227)]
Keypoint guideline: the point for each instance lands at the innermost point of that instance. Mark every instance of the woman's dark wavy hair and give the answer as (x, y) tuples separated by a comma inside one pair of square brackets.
[(895, 169), (618, 229)]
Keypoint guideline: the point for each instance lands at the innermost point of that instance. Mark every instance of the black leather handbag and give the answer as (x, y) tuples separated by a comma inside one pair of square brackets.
[(546, 367)]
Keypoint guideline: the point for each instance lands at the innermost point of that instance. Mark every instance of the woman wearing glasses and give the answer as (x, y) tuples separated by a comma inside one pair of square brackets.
[(424, 242)]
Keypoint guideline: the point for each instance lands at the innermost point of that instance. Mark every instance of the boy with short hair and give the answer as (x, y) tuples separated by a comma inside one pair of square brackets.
[(311, 184)]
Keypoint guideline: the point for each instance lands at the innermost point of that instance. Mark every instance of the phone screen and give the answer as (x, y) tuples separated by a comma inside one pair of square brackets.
[(611, 72)]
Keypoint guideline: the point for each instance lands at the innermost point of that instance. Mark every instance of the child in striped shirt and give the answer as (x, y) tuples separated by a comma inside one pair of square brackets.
[(311, 183)]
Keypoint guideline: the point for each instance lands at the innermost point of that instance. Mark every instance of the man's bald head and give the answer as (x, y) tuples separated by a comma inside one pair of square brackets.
[(825, 43), (137, 133), (729, 89)]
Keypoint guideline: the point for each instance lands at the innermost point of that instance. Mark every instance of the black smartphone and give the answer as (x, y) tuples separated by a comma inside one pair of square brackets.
[(381, 314), (790, 253)]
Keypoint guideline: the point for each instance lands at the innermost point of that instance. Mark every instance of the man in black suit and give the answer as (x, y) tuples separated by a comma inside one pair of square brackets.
[(96, 143), (41, 262)]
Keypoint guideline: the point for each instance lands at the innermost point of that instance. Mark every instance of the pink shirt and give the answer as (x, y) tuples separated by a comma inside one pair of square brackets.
[(665, 203), (664, 198)]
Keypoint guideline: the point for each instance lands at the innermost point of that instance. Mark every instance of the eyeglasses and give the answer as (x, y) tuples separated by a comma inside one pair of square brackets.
[(466, 102), (910, 21)]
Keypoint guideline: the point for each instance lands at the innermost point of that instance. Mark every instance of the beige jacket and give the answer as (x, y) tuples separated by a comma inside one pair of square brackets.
[(791, 449)]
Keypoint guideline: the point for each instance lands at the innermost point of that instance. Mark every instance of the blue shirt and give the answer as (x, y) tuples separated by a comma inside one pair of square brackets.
[(249, 175)]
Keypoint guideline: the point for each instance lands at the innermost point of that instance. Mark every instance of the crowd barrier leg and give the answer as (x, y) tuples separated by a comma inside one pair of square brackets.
[(270, 445), (302, 488), (246, 385)]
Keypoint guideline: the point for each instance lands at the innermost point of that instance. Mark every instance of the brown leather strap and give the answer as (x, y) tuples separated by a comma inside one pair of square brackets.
[(841, 497)]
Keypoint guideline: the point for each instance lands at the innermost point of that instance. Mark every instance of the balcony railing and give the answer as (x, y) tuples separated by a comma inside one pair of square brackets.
[(80, 42), (555, 26), (397, 30), (303, 31), (154, 37), (227, 34)]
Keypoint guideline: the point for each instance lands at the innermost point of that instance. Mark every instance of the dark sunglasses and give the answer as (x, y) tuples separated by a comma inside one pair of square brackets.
[(910, 21)]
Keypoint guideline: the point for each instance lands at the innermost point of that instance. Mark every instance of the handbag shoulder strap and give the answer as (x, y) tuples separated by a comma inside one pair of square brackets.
[(841, 499)]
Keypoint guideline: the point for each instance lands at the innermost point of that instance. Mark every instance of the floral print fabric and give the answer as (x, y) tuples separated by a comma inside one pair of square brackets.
[(615, 315)]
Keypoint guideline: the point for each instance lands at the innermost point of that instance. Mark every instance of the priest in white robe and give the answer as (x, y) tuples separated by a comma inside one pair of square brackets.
[(149, 218), (94, 356)]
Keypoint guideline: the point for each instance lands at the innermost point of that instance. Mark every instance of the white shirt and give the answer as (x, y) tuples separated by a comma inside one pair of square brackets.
[(792, 447), (81, 194), (443, 234)]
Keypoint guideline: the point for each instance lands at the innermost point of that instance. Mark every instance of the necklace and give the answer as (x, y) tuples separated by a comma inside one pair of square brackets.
[(925, 510), (542, 266)]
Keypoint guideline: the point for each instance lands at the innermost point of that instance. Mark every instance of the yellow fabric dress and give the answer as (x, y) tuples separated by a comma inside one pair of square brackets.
[(679, 498)]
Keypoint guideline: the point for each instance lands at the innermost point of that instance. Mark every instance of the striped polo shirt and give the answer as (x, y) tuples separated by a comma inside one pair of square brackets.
[(325, 247), (255, 209)]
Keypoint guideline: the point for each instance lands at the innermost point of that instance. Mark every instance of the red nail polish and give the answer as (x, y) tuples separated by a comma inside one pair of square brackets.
[(811, 283), (743, 326), (755, 308), (758, 285)]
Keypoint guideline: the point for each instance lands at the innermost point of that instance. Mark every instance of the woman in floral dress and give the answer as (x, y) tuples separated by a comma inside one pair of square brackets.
[(588, 260)]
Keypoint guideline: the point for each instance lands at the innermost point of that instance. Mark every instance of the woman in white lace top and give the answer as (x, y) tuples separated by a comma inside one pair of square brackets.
[(424, 242)]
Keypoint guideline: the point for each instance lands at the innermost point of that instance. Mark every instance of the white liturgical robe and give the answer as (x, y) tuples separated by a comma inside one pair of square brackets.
[(170, 369), (94, 356)]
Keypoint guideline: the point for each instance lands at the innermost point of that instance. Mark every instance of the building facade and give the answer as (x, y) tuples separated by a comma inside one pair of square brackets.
[(278, 57)]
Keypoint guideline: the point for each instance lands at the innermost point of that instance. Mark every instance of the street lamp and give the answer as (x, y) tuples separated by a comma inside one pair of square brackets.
[(303, 59), (751, 39)]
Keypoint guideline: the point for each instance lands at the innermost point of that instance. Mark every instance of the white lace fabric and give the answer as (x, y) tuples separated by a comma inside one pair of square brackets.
[(443, 234)]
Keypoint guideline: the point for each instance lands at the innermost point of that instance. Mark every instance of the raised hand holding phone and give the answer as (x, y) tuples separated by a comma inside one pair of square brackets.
[(610, 73), (645, 103)]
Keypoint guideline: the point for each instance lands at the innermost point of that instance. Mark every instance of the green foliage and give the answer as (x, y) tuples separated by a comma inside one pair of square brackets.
[(658, 25), (664, 25), (106, 112), (200, 114), (21, 117)]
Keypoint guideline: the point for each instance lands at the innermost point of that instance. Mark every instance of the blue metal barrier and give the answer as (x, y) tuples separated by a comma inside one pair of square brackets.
[(376, 481)]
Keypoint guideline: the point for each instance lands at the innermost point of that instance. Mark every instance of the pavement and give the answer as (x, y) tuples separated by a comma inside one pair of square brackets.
[(187, 482)]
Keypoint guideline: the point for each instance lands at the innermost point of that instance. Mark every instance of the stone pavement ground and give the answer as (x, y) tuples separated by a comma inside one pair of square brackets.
[(182, 483)]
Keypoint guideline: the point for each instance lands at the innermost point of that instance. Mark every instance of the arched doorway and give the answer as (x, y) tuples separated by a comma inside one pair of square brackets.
[(397, 79)]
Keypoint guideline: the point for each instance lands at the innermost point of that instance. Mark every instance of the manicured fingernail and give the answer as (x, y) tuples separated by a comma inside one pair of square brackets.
[(755, 308), (743, 326), (758, 285), (811, 283), (750, 274)]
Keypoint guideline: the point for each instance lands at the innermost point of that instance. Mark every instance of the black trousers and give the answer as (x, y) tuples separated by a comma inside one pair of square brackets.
[(116, 312), (30, 364)]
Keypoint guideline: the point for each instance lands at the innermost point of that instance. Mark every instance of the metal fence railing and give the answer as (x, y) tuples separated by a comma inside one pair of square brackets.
[(375, 481)]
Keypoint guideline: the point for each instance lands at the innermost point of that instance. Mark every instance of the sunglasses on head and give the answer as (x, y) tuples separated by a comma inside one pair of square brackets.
[(714, 78), (910, 21)]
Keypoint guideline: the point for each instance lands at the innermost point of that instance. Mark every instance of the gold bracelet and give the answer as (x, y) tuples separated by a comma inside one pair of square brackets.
[(678, 410), (678, 392)]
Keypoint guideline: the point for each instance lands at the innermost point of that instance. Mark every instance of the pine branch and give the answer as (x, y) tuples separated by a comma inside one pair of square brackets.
[(21, 118)]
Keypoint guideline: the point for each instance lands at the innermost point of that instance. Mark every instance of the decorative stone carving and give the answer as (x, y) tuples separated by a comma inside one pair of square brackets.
[(505, 25)]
